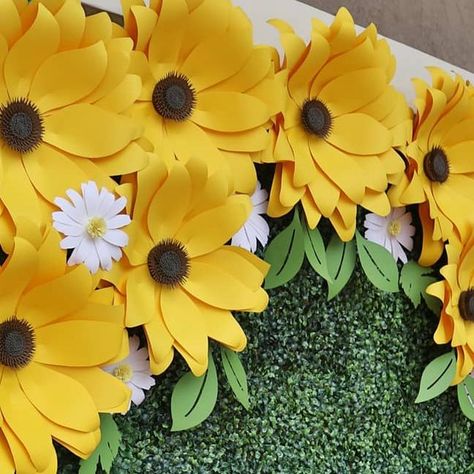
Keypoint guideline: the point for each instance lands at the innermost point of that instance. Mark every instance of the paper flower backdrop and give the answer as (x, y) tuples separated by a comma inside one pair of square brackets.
[(139, 146)]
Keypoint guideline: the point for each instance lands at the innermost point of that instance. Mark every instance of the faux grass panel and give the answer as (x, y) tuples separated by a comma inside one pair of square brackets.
[(333, 388)]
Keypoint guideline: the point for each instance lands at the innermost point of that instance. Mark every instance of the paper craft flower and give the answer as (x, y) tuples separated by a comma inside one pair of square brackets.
[(440, 167), (134, 371), (205, 86), (91, 223), (181, 281), (456, 323), (62, 95), (256, 228), (55, 333), (392, 232), (334, 142)]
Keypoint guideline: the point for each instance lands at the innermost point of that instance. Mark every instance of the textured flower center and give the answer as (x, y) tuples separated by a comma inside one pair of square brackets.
[(436, 165), (316, 118), (123, 372), (174, 97), (21, 126), (96, 227), (17, 343), (394, 228), (168, 263), (466, 305)]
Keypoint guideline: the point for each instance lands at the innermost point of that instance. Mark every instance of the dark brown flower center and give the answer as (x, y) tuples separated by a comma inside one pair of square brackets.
[(436, 165), (466, 305), (21, 125), (168, 263), (316, 118), (174, 97), (17, 343)]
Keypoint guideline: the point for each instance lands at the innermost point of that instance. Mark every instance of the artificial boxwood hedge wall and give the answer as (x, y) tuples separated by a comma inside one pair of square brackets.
[(333, 386)]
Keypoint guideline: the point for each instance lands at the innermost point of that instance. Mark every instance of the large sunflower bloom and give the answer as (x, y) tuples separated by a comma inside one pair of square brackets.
[(51, 351), (181, 281), (335, 139), (206, 88), (62, 94), (456, 291), (440, 171)]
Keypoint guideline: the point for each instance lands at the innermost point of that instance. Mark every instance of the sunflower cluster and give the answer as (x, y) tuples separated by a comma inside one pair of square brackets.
[(128, 166), (122, 152)]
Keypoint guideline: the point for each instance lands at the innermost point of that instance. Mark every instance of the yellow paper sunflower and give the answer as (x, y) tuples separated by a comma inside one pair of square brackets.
[(456, 291), (181, 281), (51, 350), (334, 141), (440, 171), (206, 88), (63, 88)]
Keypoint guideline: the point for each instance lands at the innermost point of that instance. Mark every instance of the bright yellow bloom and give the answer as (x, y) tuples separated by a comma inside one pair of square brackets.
[(63, 91), (456, 291), (207, 90), (181, 280), (334, 141), (55, 334), (440, 171)]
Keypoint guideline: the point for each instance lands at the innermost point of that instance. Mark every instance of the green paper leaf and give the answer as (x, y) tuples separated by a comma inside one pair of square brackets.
[(378, 264), (414, 280), (107, 449), (285, 254), (194, 398), (466, 397), (236, 376), (341, 259), (437, 377), (316, 252)]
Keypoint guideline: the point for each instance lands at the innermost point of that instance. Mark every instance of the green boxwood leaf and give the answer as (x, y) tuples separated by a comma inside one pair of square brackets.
[(437, 377), (194, 398), (341, 259), (414, 280), (378, 264), (466, 397), (236, 376), (285, 254), (107, 449), (316, 252)]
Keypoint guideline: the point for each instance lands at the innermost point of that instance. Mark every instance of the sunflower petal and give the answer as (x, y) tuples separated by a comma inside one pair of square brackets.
[(221, 223), (184, 322), (67, 77), (59, 398), (78, 343), (89, 131), (30, 51)]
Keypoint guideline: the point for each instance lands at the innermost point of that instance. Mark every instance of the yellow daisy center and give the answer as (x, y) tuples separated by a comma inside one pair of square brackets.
[(96, 227), (21, 126), (394, 228), (316, 118), (174, 97), (466, 305), (17, 343), (123, 372), (168, 263), (436, 165)]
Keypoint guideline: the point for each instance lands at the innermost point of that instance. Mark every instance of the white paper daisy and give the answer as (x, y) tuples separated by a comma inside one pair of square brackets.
[(134, 371), (256, 228), (392, 231), (91, 224)]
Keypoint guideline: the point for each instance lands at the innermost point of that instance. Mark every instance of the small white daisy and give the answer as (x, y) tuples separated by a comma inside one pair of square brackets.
[(256, 227), (134, 371), (91, 224), (392, 231)]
